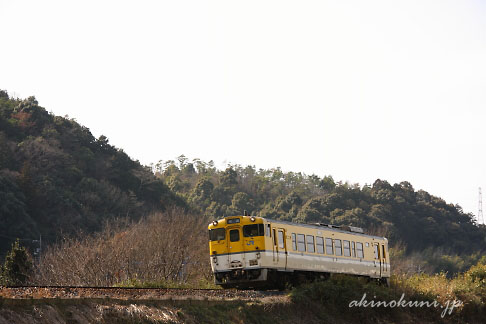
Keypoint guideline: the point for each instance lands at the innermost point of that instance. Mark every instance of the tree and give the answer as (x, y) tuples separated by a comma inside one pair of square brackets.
[(18, 265), (327, 183), (201, 194), (241, 202)]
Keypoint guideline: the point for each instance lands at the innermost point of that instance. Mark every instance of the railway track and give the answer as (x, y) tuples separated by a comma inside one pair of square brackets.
[(129, 293)]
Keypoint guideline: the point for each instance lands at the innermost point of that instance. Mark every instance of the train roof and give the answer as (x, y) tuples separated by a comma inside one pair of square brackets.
[(327, 227)]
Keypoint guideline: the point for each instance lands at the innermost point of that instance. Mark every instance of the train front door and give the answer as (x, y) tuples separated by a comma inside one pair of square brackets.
[(279, 248), (236, 255)]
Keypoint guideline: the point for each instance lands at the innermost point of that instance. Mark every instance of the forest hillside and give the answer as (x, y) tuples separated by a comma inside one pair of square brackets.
[(57, 178), (417, 219)]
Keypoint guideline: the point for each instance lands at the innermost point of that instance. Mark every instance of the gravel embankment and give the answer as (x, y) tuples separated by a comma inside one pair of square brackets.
[(133, 293)]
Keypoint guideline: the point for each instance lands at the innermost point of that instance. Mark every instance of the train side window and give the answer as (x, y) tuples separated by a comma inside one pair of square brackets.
[(346, 248), (294, 242), (268, 230), (337, 245), (301, 242), (377, 252), (329, 247), (320, 244), (234, 235), (280, 239), (359, 250), (310, 244), (353, 249)]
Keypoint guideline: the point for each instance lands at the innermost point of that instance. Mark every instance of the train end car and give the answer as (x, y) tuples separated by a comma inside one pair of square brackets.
[(237, 246)]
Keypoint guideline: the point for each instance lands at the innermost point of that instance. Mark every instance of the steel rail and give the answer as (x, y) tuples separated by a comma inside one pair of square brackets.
[(112, 288)]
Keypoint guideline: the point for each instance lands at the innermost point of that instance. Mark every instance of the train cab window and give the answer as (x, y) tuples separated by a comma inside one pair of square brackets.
[(329, 248), (294, 242), (359, 250), (217, 234), (337, 245), (310, 243), (320, 244), (253, 230), (353, 249), (301, 242), (377, 251), (346, 248), (234, 235)]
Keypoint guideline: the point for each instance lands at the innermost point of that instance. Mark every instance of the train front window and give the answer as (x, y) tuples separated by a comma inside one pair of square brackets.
[(234, 235), (253, 230), (216, 234)]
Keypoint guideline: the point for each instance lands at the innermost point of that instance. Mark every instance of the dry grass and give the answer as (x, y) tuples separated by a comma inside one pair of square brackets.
[(163, 247)]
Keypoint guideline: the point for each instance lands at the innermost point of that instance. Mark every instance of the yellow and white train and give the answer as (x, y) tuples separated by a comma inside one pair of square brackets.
[(254, 252)]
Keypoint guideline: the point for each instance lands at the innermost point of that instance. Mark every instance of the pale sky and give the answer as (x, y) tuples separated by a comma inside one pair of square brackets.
[(358, 90)]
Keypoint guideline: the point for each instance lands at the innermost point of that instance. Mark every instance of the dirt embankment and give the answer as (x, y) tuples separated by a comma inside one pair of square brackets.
[(121, 305), (133, 293), (95, 305)]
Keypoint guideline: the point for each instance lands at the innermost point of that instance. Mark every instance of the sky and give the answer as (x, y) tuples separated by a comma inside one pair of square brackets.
[(358, 90)]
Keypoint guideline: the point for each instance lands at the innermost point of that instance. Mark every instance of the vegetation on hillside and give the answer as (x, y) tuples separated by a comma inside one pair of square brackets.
[(55, 177), (163, 249), (430, 298), (18, 267), (415, 219)]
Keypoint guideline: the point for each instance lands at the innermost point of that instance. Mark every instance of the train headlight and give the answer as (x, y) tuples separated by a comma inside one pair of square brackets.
[(258, 255), (252, 218), (215, 223)]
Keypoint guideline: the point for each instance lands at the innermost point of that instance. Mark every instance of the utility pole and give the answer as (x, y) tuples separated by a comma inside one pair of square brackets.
[(38, 251), (480, 208)]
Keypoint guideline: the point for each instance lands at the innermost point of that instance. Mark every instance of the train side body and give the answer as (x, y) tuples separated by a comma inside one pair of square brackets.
[(249, 251)]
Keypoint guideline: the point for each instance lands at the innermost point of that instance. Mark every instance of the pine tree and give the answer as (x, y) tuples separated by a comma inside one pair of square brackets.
[(18, 265)]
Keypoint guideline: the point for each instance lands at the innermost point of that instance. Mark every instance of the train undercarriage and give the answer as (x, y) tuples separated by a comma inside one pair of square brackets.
[(273, 279)]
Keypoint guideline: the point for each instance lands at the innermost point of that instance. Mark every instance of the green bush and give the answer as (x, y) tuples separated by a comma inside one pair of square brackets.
[(18, 266)]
